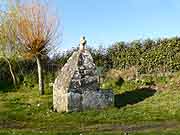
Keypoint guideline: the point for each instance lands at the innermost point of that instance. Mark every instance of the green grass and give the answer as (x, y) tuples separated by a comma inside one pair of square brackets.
[(24, 112)]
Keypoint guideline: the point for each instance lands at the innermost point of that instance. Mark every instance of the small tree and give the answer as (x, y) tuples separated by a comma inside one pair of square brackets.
[(7, 47), (36, 30)]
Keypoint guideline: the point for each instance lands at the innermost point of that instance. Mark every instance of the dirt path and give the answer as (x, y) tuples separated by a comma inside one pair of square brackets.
[(152, 126), (13, 124)]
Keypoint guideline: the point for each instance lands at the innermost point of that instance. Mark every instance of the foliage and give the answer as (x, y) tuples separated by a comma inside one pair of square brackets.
[(148, 56), (145, 56)]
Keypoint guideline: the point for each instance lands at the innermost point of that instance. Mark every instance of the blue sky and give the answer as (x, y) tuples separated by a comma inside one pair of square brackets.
[(104, 22)]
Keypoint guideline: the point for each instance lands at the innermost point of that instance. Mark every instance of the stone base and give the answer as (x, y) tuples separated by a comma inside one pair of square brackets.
[(97, 99), (86, 101)]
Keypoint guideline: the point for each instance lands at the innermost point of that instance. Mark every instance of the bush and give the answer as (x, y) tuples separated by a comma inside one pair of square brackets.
[(148, 56)]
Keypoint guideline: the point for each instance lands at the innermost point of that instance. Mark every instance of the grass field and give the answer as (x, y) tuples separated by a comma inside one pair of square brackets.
[(138, 110)]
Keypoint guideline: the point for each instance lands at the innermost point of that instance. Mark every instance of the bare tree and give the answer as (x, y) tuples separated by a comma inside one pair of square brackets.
[(36, 30), (7, 47)]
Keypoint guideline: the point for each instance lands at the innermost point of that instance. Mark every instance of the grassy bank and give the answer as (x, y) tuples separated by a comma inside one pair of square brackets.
[(137, 110)]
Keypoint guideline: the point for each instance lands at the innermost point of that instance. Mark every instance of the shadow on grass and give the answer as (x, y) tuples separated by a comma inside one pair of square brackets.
[(6, 87), (133, 97)]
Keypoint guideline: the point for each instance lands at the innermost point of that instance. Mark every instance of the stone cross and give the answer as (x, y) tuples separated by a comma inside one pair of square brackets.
[(82, 43)]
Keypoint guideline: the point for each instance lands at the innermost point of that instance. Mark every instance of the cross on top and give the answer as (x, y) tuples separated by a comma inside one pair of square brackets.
[(82, 43)]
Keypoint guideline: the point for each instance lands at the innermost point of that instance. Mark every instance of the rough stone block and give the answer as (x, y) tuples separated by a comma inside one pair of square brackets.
[(76, 88)]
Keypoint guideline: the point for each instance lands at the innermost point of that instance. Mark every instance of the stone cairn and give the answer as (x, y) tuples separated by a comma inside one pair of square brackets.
[(76, 87)]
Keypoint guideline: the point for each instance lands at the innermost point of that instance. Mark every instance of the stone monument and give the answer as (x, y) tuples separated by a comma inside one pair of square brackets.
[(76, 87)]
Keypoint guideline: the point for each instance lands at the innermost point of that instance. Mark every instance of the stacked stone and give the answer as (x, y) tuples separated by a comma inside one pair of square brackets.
[(62, 82), (84, 78), (76, 87)]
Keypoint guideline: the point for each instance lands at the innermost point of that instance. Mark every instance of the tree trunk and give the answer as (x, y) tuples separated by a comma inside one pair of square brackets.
[(40, 76), (11, 71)]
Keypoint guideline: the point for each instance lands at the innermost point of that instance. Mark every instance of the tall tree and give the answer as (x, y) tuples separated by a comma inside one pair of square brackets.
[(36, 29)]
